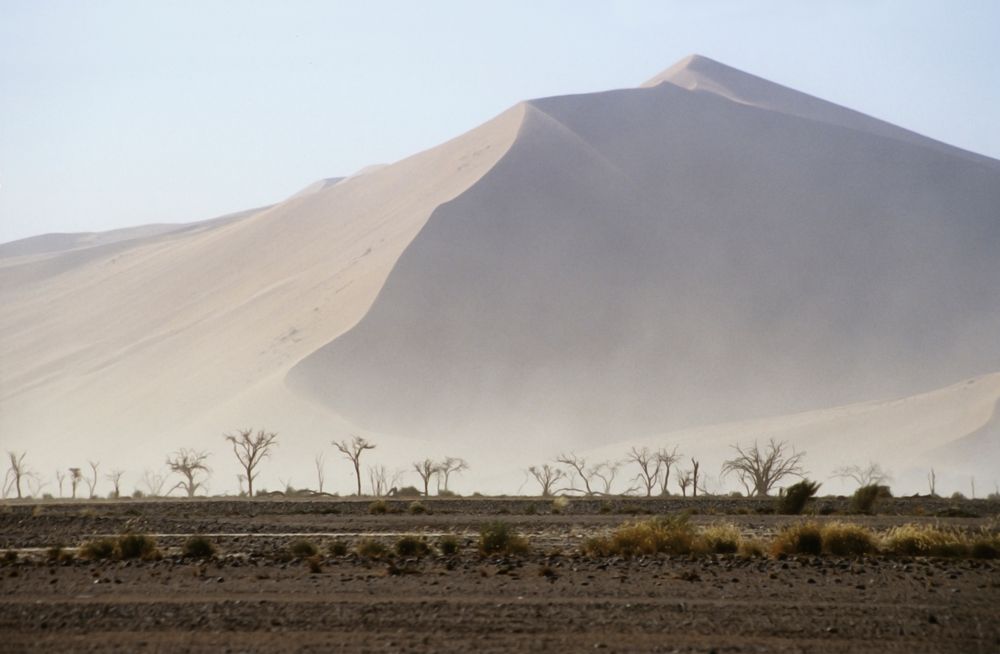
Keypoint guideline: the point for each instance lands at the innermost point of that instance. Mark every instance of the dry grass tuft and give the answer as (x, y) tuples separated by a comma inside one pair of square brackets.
[(847, 539), (802, 538)]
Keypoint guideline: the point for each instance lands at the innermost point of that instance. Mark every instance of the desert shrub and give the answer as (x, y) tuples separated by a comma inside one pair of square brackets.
[(752, 549), (958, 496), (302, 549), (378, 507), (719, 539), (605, 507), (501, 538), (984, 549), (9, 557), (337, 548), (199, 547), (101, 548), (865, 498), (804, 538), (530, 509), (136, 546), (794, 499), (315, 564), (559, 504), (845, 539), (409, 491), (925, 540), (448, 545), (661, 535), (447, 493), (416, 508), (372, 549), (412, 546)]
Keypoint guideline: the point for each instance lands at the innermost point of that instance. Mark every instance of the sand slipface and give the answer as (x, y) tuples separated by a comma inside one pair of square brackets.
[(580, 272)]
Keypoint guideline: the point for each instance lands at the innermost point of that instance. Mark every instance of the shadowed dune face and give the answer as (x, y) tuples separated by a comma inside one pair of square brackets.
[(581, 270), (654, 258)]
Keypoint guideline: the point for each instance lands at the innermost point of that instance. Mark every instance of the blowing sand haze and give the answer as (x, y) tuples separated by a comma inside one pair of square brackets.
[(705, 249)]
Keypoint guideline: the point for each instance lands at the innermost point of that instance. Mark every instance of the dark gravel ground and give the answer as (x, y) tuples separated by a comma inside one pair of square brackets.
[(553, 599)]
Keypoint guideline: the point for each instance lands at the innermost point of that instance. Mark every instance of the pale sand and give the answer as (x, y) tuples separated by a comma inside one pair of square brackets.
[(576, 272)]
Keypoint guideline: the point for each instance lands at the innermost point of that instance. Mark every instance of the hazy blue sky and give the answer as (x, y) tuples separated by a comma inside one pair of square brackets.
[(117, 113)]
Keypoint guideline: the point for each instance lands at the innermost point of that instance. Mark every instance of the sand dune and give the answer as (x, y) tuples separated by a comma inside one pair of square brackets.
[(708, 249)]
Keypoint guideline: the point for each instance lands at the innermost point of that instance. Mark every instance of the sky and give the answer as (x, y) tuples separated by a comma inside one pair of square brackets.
[(117, 113)]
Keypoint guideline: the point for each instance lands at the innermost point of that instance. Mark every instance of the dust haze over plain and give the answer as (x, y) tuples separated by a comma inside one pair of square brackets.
[(706, 259)]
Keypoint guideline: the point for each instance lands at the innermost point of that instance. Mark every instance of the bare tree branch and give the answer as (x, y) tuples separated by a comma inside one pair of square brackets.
[(426, 469), (451, 465), (320, 472), (16, 473), (871, 474), (250, 450), (649, 467), (761, 470), (546, 476), (352, 451), (115, 477), (189, 464)]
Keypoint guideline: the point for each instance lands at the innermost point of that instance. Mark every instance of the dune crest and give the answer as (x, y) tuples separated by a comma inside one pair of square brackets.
[(708, 249)]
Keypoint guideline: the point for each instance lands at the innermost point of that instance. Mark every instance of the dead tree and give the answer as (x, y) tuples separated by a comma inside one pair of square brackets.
[(426, 469), (759, 470), (250, 449), (115, 477), (684, 480), (649, 468), (606, 472), (382, 483), (451, 465), (16, 473), (154, 483), (666, 459), (189, 464), (871, 474), (546, 476), (579, 466), (320, 472), (932, 482), (352, 452), (92, 482), (74, 479), (694, 477), (60, 479)]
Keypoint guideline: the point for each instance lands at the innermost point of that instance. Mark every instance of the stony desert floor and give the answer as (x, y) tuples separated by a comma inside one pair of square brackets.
[(253, 597)]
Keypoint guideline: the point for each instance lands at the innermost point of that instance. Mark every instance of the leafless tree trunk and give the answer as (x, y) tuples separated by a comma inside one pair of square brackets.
[(451, 465), (381, 481), (189, 464), (60, 479), (320, 472), (666, 460), (871, 474), (694, 477), (250, 450), (154, 483), (649, 468), (546, 476), (684, 480), (606, 472), (74, 479), (426, 469), (115, 477), (761, 470), (352, 452), (92, 482), (932, 482), (579, 466), (17, 471)]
